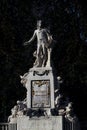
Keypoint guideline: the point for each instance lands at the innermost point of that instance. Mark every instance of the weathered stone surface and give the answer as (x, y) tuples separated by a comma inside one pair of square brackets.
[(52, 123), (38, 75)]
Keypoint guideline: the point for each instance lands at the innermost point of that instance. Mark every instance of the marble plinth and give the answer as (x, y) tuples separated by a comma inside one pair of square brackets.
[(42, 123), (40, 88)]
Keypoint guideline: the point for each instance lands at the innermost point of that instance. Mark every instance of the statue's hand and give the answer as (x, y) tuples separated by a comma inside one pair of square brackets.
[(25, 43)]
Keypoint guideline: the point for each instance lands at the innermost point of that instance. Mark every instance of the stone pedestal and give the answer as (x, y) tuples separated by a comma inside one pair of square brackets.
[(40, 88), (52, 123)]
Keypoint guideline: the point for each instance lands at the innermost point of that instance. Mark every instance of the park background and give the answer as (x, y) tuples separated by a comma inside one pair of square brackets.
[(67, 21)]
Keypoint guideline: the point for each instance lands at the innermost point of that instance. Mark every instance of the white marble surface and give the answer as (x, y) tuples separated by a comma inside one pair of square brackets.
[(52, 123), (40, 75)]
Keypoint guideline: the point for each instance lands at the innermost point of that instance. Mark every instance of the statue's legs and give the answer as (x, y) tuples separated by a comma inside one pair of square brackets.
[(44, 54), (39, 56)]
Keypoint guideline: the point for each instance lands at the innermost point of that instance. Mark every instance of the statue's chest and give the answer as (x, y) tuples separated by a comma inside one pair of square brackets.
[(41, 34)]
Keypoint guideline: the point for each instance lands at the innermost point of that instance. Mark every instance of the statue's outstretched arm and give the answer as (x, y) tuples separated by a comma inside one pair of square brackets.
[(32, 38)]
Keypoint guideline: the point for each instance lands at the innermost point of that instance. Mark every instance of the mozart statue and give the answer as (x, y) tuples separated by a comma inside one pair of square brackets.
[(44, 40)]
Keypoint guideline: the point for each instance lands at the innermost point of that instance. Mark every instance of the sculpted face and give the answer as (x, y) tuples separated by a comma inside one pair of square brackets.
[(39, 23)]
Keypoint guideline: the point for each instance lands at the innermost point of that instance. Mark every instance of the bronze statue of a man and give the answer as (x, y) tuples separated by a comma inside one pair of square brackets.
[(43, 42)]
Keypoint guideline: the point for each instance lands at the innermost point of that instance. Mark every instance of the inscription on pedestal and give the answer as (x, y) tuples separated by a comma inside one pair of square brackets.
[(40, 93)]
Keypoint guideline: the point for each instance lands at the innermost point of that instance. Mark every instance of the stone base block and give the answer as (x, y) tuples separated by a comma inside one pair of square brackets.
[(42, 123)]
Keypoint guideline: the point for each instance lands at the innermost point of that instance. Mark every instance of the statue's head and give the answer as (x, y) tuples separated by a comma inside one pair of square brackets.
[(39, 23), (18, 102), (70, 104)]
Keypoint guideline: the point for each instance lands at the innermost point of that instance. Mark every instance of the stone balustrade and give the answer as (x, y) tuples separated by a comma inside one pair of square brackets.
[(8, 126)]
